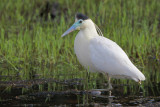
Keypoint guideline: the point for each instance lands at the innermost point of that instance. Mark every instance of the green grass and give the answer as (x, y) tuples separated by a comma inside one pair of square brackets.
[(30, 44)]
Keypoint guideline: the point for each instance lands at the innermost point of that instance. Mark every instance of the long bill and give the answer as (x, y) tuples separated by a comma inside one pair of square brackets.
[(71, 29)]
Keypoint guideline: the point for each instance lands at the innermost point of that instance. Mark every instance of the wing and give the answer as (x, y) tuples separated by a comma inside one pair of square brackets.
[(108, 57)]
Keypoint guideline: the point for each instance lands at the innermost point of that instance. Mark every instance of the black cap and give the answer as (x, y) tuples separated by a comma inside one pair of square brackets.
[(81, 16)]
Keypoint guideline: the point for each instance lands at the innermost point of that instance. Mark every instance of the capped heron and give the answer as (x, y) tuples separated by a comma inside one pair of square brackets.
[(100, 54)]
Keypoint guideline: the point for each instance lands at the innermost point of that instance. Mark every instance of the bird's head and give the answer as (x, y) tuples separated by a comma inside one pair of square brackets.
[(81, 21)]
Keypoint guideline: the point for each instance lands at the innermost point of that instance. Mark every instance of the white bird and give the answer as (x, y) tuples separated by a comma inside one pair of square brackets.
[(100, 54)]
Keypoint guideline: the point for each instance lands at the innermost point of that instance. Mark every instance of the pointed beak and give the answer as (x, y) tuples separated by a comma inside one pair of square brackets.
[(71, 29)]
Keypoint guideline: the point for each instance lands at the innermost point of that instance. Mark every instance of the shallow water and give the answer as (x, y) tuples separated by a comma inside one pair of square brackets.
[(75, 88), (28, 93)]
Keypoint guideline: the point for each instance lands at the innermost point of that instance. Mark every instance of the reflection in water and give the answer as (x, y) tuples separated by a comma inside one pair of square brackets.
[(19, 97), (80, 91)]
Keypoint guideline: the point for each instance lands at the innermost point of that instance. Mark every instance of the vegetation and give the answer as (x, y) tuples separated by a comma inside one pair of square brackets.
[(31, 43)]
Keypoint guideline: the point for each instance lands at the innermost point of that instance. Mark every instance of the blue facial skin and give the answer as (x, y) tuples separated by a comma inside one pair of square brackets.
[(73, 27)]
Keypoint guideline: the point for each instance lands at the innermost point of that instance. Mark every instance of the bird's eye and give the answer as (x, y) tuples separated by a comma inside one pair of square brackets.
[(80, 21)]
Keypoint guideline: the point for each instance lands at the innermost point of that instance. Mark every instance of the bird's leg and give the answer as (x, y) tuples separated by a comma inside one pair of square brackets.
[(110, 93), (109, 83), (109, 86)]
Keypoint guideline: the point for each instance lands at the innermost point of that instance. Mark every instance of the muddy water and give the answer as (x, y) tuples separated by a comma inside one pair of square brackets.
[(28, 93), (49, 91)]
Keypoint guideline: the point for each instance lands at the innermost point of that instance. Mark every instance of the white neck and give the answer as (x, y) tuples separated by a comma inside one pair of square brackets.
[(82, 40), (88, 29)]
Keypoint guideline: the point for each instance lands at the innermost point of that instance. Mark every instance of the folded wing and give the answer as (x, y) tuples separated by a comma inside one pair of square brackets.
[(108, 57)]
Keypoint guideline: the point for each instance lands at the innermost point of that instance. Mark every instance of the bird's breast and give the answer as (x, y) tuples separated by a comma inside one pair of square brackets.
[(81, 48)]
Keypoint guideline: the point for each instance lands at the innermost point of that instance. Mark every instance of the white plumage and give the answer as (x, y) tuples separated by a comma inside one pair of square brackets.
[(99, 54)]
